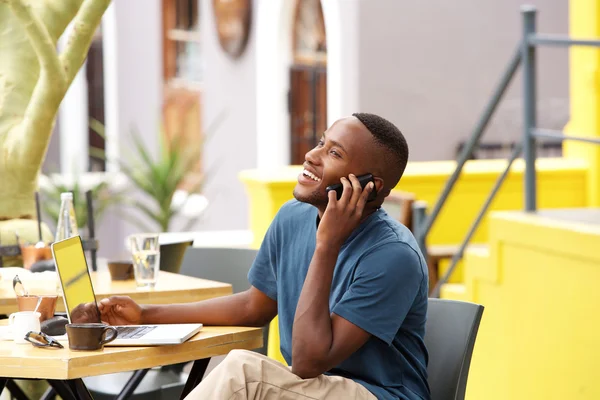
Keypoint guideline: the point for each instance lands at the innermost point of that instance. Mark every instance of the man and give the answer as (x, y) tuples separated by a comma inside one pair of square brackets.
[(347, 281)]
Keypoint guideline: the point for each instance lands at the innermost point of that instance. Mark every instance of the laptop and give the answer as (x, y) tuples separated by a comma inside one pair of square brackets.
[(77, 288)]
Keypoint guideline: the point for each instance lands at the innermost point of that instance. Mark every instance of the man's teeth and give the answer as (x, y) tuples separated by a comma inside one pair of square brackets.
[(311, 175)]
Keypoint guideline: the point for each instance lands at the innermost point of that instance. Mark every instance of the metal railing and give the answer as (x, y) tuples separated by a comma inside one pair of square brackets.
[(525, 54)]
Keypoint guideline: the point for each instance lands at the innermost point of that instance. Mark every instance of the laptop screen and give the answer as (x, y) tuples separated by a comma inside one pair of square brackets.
[(78, 292)]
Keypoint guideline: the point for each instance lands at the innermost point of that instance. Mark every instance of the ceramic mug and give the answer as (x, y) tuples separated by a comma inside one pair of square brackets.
[(90, 336), (22, 322)]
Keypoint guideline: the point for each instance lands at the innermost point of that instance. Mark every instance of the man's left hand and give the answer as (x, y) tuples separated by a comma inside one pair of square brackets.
[(342, 217)]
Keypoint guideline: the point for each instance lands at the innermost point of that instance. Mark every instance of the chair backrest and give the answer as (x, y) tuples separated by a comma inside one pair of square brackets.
[(450, 334), (399, 205), (222, 264)]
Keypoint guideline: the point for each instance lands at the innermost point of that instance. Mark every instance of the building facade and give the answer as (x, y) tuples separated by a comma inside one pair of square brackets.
[(429, 67)]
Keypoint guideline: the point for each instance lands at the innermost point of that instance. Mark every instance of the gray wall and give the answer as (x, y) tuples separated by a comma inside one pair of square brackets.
[(430, 66), (229, 87)]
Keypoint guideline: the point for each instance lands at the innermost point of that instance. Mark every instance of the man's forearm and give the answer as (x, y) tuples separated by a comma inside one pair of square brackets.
[(228, 310), (312, 335)]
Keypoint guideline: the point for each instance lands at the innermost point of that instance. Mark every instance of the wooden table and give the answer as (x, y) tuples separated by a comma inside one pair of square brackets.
[(64, 368), (58, 365), (27, 361), (171, 288)]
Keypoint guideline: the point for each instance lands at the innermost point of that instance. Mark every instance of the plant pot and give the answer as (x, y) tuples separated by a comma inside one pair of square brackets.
[(28, 233)]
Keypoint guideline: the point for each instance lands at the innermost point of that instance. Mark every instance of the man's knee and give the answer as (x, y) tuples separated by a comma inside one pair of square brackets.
[(241, 354), (249, 359), (242, 357)]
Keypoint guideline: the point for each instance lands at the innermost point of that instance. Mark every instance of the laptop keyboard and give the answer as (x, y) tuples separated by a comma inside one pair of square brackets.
[(136, 332)]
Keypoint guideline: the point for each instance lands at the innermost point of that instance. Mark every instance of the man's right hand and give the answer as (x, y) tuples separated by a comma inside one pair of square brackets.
[(120, 310)]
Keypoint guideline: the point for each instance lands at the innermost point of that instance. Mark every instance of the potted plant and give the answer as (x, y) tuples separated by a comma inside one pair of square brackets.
[(168, 183), (167, 186)]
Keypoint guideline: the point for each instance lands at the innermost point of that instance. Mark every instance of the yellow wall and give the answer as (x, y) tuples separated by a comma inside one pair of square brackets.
[(584, 22), (539, 333), (561, 183)]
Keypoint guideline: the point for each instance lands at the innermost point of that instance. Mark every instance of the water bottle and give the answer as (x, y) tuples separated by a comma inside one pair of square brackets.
[(66, 225)]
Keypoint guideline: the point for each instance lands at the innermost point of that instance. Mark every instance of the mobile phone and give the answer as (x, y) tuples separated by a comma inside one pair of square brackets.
[(363, 179)]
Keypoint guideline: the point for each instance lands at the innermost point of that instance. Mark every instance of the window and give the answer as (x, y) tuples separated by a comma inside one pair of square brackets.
[(182, 44), (308, 79), (310, 44), (183, 74)]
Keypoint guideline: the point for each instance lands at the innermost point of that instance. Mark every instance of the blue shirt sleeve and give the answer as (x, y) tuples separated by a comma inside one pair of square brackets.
[(385, 285), (263, 273)]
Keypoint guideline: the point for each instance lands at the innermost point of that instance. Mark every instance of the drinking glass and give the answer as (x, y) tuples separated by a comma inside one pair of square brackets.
[(145, 252)]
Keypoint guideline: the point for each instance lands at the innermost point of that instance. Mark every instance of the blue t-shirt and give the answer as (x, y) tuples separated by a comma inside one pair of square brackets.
[(380, 284)]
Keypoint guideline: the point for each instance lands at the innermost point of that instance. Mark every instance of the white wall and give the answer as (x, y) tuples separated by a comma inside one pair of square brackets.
[(273, 21), (133, 92), (229, 86), (342, 24)]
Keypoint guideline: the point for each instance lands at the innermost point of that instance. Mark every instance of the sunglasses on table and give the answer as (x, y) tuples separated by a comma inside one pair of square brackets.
[(40, 339)]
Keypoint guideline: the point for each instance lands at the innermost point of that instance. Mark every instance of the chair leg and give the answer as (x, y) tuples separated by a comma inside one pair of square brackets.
[(196, 375), (132, 384), (50, 394), (81, 392), (62, 389), (91, 226)]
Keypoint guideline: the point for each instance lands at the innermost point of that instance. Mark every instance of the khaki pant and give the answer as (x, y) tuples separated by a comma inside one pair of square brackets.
[(249, 375)]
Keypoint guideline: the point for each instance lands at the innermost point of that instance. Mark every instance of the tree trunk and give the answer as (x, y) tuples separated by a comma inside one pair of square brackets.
[(33, 82)]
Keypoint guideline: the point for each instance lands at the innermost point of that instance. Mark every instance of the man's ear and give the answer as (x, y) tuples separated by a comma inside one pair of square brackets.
[(378, 184)]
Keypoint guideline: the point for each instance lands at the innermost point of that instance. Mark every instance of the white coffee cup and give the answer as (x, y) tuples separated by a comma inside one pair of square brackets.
[(22, 322)]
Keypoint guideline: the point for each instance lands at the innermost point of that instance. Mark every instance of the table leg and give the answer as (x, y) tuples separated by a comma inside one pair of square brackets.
[(81, 392), (198, 370), (15, 391), (62, 389), (2, 384), (50, 394), (132, 384)]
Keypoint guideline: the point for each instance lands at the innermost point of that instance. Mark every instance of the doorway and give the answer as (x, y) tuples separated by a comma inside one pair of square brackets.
[(307, 98), (95, 83)]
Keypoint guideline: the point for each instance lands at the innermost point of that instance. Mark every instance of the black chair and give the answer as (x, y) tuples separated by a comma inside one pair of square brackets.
[(450, 334), (229, 265)]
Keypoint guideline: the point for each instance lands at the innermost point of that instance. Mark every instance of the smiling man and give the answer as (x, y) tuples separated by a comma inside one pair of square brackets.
[(347, 280)]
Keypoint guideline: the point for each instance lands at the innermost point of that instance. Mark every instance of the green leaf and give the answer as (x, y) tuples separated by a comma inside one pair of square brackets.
[(142, 152), (146, 210), (97, 127), (97, 153), (138, 179), (127, 216), (211, 128)]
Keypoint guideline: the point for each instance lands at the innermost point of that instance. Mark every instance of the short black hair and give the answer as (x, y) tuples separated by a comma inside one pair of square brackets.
[(387, 135)]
